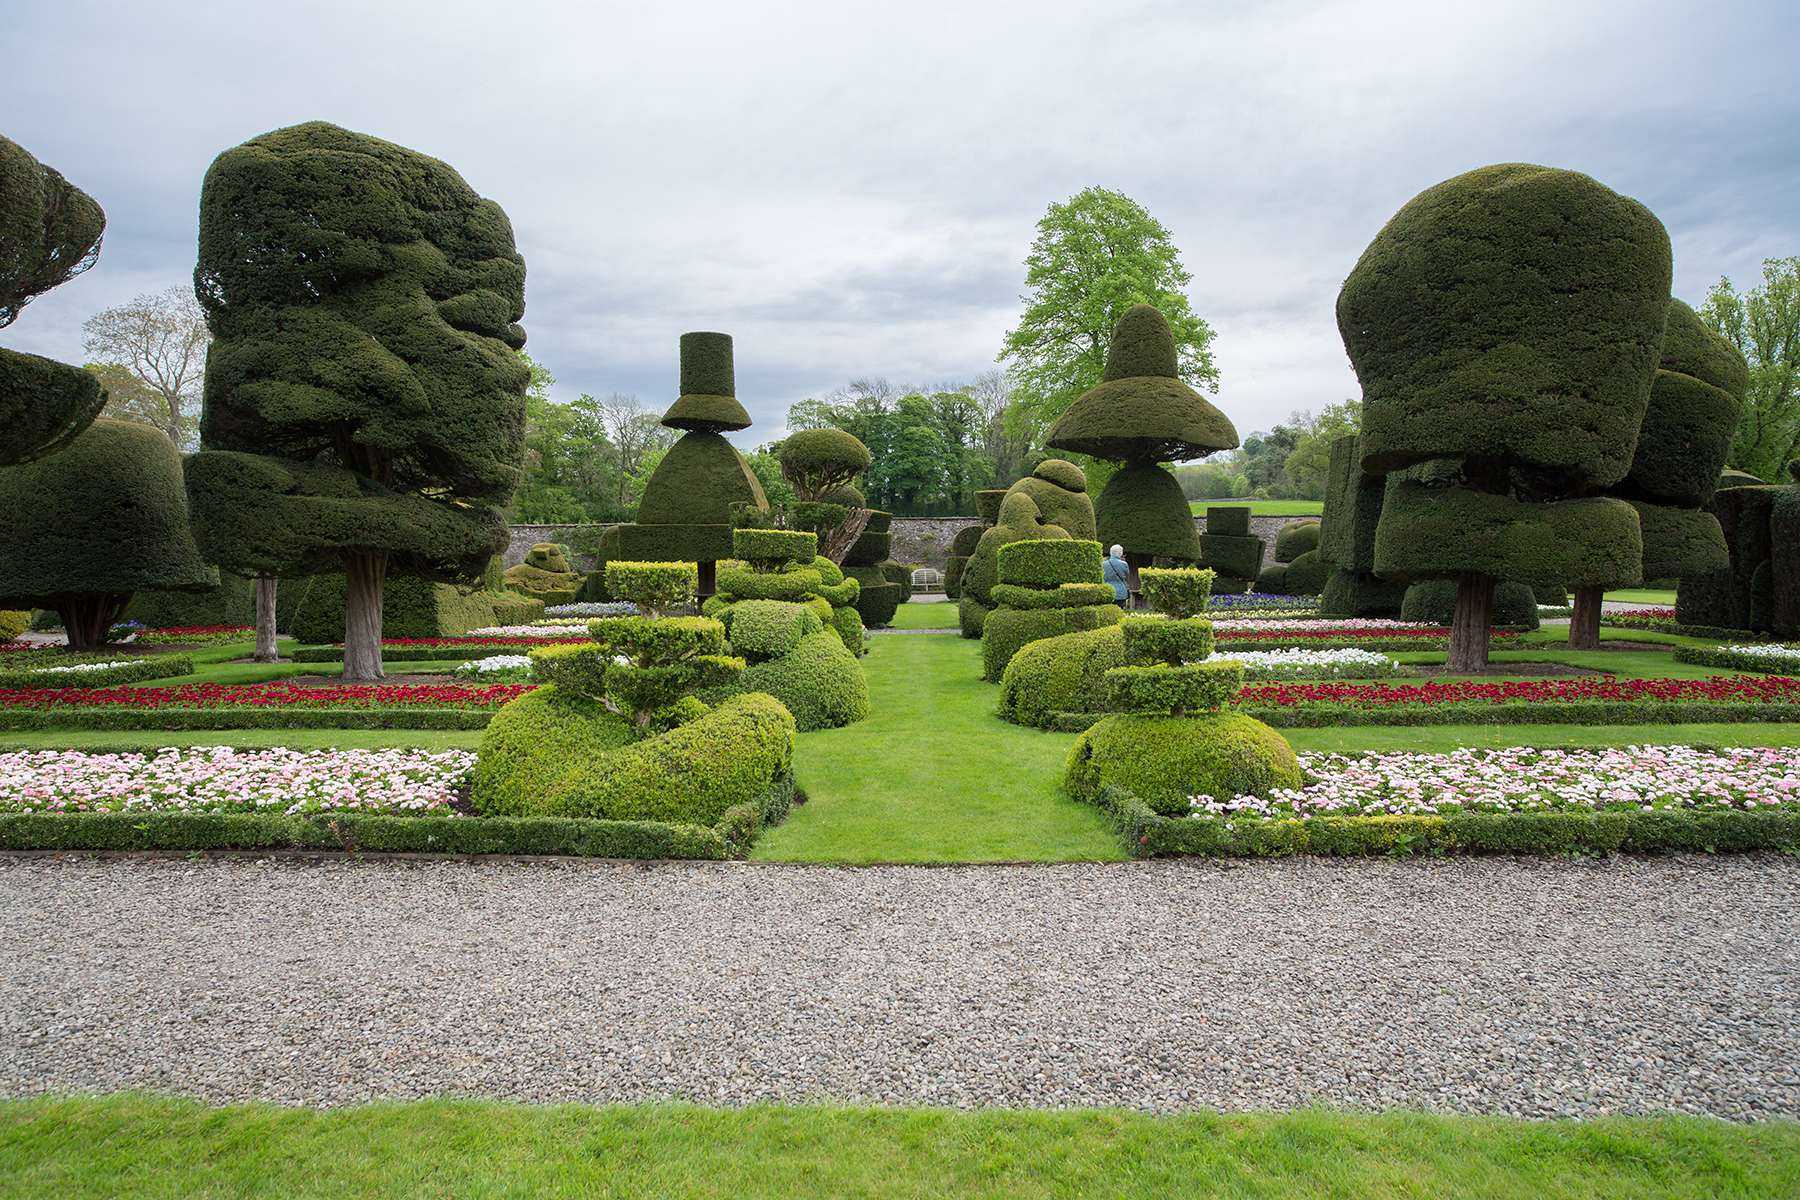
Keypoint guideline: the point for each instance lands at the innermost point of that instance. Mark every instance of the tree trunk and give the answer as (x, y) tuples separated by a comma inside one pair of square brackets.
[(87, 616), (265, 620), (1584, 624), (1134, 591), (1469, 628), (835, 543), (364, 573), (706, 583)]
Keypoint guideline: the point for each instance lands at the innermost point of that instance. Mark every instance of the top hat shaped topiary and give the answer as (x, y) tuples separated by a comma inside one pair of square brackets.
[(1141, 411), (708, 400)]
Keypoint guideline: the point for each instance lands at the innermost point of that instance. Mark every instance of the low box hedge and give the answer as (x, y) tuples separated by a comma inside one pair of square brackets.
[(1714, 632), (1146, 834), (1585, 712), (450, 654), (137, 670), (732, 837), (244, 718)]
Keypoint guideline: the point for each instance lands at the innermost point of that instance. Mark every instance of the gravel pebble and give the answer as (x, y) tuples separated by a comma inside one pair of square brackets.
[(1525, 987)]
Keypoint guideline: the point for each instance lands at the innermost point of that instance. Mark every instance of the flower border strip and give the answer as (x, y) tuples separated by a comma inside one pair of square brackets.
[(112, 675), (1725, 659), (1146, 834), (243, 718), (731, 838)]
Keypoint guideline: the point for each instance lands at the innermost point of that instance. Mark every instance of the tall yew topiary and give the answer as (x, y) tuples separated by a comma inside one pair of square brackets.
[(83, 529), (1139, 415), (1506, 326), (364, 406), (49, 233)]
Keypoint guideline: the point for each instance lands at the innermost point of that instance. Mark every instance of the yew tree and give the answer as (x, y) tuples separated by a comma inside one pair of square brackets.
[(364, 407)]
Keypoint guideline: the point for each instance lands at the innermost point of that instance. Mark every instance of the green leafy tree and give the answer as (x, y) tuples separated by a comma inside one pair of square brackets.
[(150, 355), (1764, 324), (1309, 463), (1096, 256)]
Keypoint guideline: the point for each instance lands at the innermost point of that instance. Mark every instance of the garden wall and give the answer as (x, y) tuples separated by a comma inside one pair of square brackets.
[(918, 541)]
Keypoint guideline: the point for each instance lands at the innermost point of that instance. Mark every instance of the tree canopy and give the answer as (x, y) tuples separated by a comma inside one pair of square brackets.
[(150, 355), (1095, 256), (1764, 324)]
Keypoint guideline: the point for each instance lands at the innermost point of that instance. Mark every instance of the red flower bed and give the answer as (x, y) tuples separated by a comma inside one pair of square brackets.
[(1346, 635), (1733, 689), (279, 694)]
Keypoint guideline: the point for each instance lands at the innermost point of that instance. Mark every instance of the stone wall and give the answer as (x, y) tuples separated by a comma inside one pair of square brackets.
[(918, 541)]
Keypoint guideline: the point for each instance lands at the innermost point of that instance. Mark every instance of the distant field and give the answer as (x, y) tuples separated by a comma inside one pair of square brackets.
[(1264, 508)]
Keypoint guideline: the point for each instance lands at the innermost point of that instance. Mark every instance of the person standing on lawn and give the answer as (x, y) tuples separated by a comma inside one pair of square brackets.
[(1116, 571)]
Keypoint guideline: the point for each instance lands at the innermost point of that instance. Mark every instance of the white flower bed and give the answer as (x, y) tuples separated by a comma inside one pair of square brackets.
[(1298, 663), (220, 779), (558, 630), (1785, 657), (499, 662), (1525, 780), (96, 666)]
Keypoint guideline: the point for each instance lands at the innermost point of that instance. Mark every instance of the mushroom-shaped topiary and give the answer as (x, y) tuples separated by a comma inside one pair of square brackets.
[(820, 463), (1141, 414), (83, 529), (1506, 326), (49, 233)]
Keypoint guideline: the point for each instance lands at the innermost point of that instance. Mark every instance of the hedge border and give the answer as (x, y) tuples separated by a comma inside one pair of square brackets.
[(1145, 834), (1580, 712), (116, 674), (731, 838), (1714, 632), (16, 720)]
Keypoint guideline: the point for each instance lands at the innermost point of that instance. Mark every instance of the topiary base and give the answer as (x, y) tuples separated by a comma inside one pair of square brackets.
[(1008, 630), (1166, 760)]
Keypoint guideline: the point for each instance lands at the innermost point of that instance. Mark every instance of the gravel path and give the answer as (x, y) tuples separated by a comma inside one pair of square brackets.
[(1529, 987)]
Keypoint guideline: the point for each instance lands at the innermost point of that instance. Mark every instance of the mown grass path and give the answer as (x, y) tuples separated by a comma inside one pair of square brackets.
[(933, 776)]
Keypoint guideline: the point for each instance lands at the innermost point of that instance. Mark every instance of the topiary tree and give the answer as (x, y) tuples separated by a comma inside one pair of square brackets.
[(544, 575), (1140, 415), (1047, 588), (49, 233), (83, 529), (821, 463), (364, 406), (1506, 326), (1682, 444)]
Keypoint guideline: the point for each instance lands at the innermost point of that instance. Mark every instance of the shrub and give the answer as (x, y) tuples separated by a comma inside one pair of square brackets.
[(1006, 630), (1048, 563), (640, 667), (533, 741), (769, 550), (1177, 691), (1165, 760), (1171, 642), (847, 623), (745, 584), (819, 682), (763, 629), (691, 774), (13, 622), (1296, 538), (111, 674), (1066, 673), (1067, 595), (1176, 591), (1307, 575), (655, 587)]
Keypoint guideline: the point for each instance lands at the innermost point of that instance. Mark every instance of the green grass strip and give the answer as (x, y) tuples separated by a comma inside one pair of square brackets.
[(933, 776), (142, 1146), (925, 614)]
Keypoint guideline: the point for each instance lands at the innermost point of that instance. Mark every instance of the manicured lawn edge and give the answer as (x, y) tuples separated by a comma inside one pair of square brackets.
[(137, 670), (1714, 632), (1145, 834), (1582, 712), (247, 718), (731, 838)]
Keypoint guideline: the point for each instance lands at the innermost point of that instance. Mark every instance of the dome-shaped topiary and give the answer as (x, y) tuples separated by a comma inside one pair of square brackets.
[(1142, 412), (1296, 538), (708, 400), (818, 461), (1142, 508), (1167, 760), (1064, 474)]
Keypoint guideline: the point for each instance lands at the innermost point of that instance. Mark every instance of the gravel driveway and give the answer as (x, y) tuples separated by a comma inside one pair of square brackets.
[(1530, 987)]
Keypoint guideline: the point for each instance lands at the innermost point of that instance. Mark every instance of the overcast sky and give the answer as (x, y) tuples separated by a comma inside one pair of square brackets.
[(850, 189)]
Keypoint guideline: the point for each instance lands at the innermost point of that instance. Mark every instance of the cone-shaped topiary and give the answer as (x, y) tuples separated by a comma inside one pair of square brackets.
[(49, 233), (1141, 411), (81, 530), (708, 400), (364, 404)]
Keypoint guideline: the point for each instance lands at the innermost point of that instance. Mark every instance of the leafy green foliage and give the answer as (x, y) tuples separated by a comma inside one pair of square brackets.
[(1176, 691), (655, 587), (1048, 563), (49, 231), (1178, 592), (1095, 257), (1165, 760), (1171, 642), (1764, 325)]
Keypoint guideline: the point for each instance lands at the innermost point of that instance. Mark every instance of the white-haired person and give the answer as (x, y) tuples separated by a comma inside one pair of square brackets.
[(1116, 571)]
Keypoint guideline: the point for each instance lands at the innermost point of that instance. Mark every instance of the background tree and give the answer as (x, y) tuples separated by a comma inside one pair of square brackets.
[(1764, 325), (83, 529), (1096, 256), (927, 447), (638, 440), (1308, 465), (49, 233), (154, 350), (364, 407)]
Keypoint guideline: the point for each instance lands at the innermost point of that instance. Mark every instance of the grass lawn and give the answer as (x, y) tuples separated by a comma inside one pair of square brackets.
[(1264, 508), (933, 776), (926, 614), (135, 1145), (1640, 596)]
